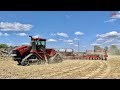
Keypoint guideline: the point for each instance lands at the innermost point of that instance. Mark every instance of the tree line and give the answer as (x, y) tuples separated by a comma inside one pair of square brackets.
[(5, 46)]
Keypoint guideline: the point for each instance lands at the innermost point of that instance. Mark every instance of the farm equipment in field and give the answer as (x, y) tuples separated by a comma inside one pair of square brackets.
[(89, 54), (35, 53), (67, 53), (5, 52), (93, 55)]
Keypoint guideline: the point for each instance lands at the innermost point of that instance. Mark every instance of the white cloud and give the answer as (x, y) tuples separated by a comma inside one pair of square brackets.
[(109, 41), (107, 38), (118, 12), (22, 34), (76, 39), (79, 33), (68, 16), (100, 40), (62, 34), (60, 39), (52, 40), (36, 36), (1, 34), (114, 17), (6, 34), (59, 34), (76, 45), (112, 34), (16, 26), (93, 44), (68, 41), (111, 20), (52, 34)]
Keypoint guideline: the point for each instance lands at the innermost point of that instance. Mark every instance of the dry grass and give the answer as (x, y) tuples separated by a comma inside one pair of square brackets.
[(68, 69)]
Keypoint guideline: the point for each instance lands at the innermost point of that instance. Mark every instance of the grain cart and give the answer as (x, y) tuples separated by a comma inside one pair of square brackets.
[(35, 53)]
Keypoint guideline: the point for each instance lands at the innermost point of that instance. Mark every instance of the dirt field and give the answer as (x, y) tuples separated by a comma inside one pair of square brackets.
[(68, 69)]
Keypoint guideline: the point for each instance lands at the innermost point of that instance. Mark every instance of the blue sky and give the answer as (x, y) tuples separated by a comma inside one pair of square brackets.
[(62, 29)]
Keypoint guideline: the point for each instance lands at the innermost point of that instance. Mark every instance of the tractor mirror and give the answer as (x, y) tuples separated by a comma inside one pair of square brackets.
[(30, 37)]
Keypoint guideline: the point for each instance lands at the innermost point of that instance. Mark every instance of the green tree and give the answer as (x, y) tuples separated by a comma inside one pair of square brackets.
[(3, 46)]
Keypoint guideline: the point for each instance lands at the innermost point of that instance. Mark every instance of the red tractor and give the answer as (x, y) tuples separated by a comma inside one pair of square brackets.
[(35, 53)]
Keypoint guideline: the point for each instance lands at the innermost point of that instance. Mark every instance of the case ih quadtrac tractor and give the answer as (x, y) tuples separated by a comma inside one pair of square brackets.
[(35, 53)]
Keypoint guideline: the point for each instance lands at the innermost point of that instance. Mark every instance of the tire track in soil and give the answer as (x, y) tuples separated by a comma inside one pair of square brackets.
[(55, 70), (71, 70), (104, 72), (94, 72), (79, 72), (65, 70)]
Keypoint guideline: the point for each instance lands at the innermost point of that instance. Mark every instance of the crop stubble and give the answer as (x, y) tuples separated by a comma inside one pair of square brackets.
[(68, 69)]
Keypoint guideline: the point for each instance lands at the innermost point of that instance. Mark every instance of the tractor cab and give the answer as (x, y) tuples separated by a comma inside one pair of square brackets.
[(38, 44)]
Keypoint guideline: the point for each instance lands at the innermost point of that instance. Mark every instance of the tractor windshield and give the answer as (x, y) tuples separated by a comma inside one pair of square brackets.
[(40, 45)]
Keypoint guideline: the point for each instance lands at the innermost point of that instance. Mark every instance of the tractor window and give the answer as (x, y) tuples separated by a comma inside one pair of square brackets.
[(43, 43), (40, 45)]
